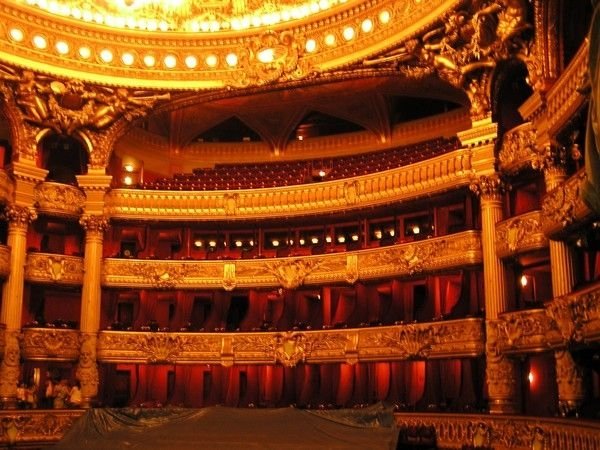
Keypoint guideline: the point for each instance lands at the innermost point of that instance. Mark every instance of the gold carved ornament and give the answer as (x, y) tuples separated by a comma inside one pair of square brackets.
[(292, 273), (11, 364), (20, 216), (87, 368), (489, 187), (94, 223), (518, 148), (290, 348), (50, 343), (59, 198)]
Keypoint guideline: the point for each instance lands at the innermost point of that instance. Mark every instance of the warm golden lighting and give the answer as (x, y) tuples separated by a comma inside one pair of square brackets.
[(149, 60), (40, 41), (211, 60), (231, 60), (170, 61), (128, 180), (314, 240), (341, 239), (266, 55), (238, 243), (348, 33), (198, 243), (85, 52), (378, 234), (311, 45), (384, 16), (367, 25), (62, 47), (106, 55), (524, 281), (191, 62), (128, 167), (330, 40), (127, 59), (275, 243), (16, 34)]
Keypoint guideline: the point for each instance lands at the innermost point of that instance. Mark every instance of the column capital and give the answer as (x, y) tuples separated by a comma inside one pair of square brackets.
[(94, 223), (21, 216), (489, 187)]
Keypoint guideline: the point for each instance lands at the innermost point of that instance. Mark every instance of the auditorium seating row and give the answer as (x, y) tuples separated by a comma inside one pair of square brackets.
[(273, 174)]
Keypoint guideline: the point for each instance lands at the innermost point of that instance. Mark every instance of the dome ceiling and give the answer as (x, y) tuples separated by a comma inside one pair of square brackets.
[(199, 45)]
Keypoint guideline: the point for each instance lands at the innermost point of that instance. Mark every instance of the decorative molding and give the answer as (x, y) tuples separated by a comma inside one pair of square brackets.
[(6, 187), (505, 432), (54, 268), (518, 148), (520, 234), (290, 59), (58, 199), (38, 428), (527, 331), (426, 256), (450, 339), (20, 216), (445, 172), (49, 344), (563, 206)]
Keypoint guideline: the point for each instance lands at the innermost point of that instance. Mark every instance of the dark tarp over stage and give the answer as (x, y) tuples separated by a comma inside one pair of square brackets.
[(222, 428)]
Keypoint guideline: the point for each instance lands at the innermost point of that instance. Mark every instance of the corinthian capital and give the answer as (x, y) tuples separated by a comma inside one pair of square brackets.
[(489, 187), (94, 223), (20, 215)]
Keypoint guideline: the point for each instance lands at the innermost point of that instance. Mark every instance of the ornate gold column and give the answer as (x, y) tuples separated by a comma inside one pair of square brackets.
[(94, 224), (19, 218), (569, 376), (19, 215), (501, 372)]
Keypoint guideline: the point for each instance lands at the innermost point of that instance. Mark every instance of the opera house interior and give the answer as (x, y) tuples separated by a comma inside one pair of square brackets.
[(300, 224)]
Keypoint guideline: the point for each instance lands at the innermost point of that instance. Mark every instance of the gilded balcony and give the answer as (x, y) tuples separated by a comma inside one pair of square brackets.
[(520, 234), (451, 339), (448, 171), (527, 331), (36, 428), (518, 149), (563, 206), (504, 432), (57, 199), (53, 268), (50, 344), (440, 253), (4, 260)]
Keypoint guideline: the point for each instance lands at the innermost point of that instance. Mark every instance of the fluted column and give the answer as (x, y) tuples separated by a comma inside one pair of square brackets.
[(19, 218), (87, 368), (569, 376), (501, 372)]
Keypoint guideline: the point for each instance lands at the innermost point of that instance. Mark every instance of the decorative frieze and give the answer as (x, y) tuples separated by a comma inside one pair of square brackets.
[(59, 199), (520, 234), (518, 148), (563, 206), (451, 339), (527, 331), (447, 171), (445, 252), (37, 428), (53, 268), (50, 344), (505, 432)]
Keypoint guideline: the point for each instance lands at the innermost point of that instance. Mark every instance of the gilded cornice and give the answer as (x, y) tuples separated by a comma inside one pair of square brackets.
[(427, 256), (445, 172), (293, 58), (518, 149), (4, 260), (57, 199), (38, 427), (520, 234), (563, 206), (50, 344), (450, 339), (505, 431), (53, 268)]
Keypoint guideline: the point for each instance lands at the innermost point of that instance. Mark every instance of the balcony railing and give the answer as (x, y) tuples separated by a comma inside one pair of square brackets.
[(36, 428), (505, 432), (445, 252), (54, 268), (520, 234), (417, 180), (444, 339), (50, 344)]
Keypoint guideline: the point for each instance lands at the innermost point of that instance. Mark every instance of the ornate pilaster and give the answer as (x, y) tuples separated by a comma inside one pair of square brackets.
[(87, 370), (500, 371), (570, 381), (9, 370)]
